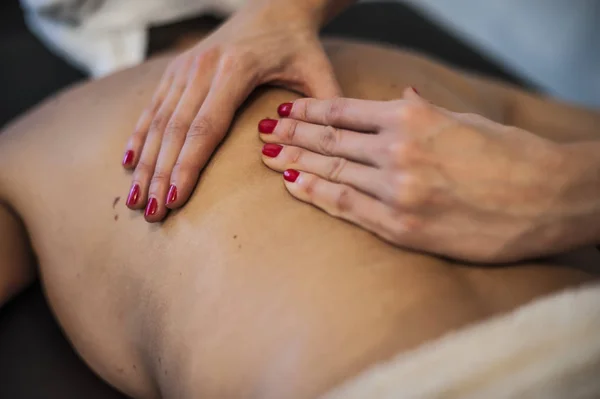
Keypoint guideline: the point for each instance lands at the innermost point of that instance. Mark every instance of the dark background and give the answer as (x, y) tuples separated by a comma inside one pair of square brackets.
[(36, 360)]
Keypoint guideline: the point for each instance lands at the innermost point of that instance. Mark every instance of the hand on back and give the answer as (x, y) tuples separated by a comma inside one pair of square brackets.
[(201, 90), (420, 176)]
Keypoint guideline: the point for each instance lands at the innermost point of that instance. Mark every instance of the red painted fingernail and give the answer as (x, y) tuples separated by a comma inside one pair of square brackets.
[(151, 207), (267, 126), (172, 195), (415, 90), (272, 150), (284, 109), (134, 194), (128, 158), (291, 175)]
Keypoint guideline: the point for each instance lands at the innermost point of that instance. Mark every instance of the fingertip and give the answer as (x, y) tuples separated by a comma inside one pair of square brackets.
[(171, 195), (291, 175), (128, 159), (285, 109), (181, 188), (154, 211), (411, 93)]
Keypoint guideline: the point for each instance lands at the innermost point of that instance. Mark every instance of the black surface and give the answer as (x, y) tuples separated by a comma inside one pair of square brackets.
[(36, 361)]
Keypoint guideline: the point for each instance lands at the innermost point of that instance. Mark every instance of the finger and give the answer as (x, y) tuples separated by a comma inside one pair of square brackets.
[(147, 162), (345, 202), (135, 143), (175, 132), (209, 127), (412, 94), (326, 140), (333, 169), (319, 77), (347, 113)]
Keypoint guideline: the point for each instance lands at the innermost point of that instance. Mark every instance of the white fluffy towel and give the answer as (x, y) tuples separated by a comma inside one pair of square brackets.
[(102, 36)]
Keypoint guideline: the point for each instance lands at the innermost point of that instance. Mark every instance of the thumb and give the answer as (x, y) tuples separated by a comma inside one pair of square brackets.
[(412, 94), (319, 78)]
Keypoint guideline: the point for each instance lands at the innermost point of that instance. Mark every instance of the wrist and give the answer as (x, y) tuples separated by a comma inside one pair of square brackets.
[(578, 192)]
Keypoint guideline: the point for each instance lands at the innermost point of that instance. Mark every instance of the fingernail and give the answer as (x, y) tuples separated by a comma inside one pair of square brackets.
[(172, 195), (267, 126), (415, 90), (291, 175), (128, 158), (272, 150), (134, 193), (151, 207), (284, 109)]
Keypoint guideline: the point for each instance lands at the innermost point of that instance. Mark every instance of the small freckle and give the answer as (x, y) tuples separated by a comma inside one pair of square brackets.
[(134, 367), (116, 217), (234, 237), (116, 201), (240, 246), (121, 371), (166, 372)]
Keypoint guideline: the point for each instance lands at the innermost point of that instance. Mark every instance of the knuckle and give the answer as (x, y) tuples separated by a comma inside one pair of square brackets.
[(404, 226), (295, 155), (228, 62), (202, 128), (402, 152), (175, 128), (309, 187), (139, 133), (200, 60), (337, 167), (185, 167), (143, 169), (329, 140), (335, 111), (410, 192), (301, 107), (343, 201), (289, 129), (159, 177), (408, 112), (237, 59), (158, 123)]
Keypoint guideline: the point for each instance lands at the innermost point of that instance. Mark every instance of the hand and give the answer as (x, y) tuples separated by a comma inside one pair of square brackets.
[(201, 89), (422, 177)]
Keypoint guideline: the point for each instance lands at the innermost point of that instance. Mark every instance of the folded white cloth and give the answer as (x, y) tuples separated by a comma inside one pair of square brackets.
[(549, 349), (102, 36)]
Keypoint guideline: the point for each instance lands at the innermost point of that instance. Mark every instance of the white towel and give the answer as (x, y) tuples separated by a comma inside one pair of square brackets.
[(102, 36), (548, 349)]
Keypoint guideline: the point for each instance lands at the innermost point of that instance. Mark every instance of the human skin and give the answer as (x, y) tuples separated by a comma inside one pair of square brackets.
[(265, 42), (433, 180), (245, 292)]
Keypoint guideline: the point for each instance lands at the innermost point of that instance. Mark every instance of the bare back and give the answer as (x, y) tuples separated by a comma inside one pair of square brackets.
[(245, 292)]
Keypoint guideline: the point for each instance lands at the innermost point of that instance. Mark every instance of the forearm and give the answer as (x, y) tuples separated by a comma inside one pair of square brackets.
[(320, 11), (326, 10)]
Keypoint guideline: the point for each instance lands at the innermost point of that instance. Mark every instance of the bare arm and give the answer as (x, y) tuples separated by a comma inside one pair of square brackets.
[(544, 116)]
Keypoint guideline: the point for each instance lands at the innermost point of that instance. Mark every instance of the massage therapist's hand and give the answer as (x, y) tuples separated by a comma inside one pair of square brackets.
[(265, 42), (422, 177)]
